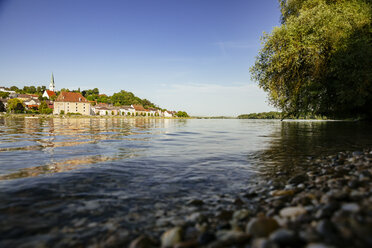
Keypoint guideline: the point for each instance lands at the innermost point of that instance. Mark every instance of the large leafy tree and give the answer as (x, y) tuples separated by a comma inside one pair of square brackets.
[(2, 107), (44, 109), (319, 60), (15, 106)]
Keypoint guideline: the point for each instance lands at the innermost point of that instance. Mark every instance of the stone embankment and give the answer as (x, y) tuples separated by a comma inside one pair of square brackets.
[(328, 206)]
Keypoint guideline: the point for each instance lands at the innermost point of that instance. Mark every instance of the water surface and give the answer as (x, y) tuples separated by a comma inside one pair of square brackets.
[(68, 182)]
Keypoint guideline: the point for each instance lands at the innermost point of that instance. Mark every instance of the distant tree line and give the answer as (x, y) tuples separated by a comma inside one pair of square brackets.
[(39, 90), (279, 115)]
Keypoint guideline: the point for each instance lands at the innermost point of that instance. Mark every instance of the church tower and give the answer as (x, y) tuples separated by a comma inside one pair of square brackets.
[(52, 85)]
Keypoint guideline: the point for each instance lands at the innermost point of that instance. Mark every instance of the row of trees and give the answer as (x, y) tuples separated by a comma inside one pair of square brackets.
[(319, 60), (28, 89), (279, 115), (117, 99)]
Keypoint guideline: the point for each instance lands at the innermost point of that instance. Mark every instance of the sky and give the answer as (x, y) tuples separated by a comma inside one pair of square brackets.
[(191, 55)]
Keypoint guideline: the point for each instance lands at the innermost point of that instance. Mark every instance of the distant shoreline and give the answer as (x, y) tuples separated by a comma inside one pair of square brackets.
[(89, 116)]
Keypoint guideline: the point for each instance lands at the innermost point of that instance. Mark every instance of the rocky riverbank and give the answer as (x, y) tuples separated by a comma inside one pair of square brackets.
[(328, 206)]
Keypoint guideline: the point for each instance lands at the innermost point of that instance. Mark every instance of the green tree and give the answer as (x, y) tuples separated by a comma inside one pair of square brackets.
[(319, 60), (182, 114), (2, 107), (44, 109), (14, 88), (16, 106), (4, 95)]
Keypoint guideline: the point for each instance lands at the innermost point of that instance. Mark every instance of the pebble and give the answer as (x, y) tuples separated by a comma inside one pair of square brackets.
[(142, 242), (284, 237), (292, 212), (282, 192), (227, 238), (263, 243), (300, 178), (261, 226), (318, 245), (241, 214), (206, 238), (351, 207), (171, 237), (195, 202)]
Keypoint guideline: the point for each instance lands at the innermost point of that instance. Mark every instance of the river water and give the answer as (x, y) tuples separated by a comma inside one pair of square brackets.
[(79, 182)]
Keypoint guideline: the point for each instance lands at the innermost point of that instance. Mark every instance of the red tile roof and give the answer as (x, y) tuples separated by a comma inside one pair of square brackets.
[(70, 97), (138, 107), (50, 93)]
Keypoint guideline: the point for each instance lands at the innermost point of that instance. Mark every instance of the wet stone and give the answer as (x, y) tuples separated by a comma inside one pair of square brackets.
[(171, 237), (284, 237), (206, 238), (195, 202), (282, 192), (225, 215), (142, 242), (187, 244), (292, 212), (241, 214), (318, 245), (300, 178), (326, 229), (261, 226), (350, 207), (227, 238), (264, 243)]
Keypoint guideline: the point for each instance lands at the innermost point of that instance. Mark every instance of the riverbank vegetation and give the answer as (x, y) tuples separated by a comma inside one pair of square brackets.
[(279, 115), (319, 61)]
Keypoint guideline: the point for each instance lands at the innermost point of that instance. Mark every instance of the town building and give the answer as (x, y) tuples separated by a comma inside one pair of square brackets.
[(139, 110), (127, 111), (52, 86), (32, 103), (48, 94), (51, 92), (71, 102)]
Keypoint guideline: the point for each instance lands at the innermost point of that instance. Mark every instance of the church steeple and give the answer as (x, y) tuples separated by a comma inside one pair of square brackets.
[(52, 85)]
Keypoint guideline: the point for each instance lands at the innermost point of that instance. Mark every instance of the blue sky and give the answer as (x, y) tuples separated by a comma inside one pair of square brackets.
[(191, 55)]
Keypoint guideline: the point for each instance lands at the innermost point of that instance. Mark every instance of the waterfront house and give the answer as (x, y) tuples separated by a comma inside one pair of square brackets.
[(168, 113), (139, 110), (153, 112), (71, 102), (127, 110), (105, 109)]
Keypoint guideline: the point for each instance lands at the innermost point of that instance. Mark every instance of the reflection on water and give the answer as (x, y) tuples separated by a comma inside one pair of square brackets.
[(79, 182), (33, 146), (295, 142)]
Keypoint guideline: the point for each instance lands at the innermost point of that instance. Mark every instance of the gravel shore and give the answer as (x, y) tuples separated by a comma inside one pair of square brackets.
[(328, 206)]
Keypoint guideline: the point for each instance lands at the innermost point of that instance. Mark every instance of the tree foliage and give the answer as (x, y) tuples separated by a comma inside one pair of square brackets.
[(4, 95), (319, 60), (2, 107), (15, 106), (182, 114), (44, 109)]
